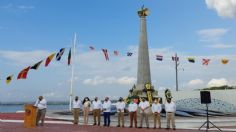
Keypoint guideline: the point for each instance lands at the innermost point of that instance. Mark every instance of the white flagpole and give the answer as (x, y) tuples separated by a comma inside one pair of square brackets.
[(72, 73)]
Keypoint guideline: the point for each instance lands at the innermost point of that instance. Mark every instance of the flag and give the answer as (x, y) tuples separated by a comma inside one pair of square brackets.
[(59, 54), (105, 52), (224, 61), (116, 53), (91, 48), (129, 53), (69, 57), (191, 60), (23, 73), (8, 79), (48, 60), (159, 57), (205, 61), (174, 58), (36, 66)]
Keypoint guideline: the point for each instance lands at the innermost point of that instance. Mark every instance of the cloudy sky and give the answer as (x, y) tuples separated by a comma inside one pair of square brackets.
[(32, 30)]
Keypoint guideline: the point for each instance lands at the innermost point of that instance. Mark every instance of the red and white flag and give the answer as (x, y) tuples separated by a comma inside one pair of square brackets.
[(205, 61), (105, 52)]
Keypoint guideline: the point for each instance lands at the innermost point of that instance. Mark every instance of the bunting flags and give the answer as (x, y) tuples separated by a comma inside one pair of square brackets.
[(105, 52), (23, 73), (116, 53), (191, 60), (174, 58), (8, 79), (224, 61), (129, 53), (48, 60), (69, 58), (205, 61), (36, 66), (59, 54), (159, 57), (91, 48)]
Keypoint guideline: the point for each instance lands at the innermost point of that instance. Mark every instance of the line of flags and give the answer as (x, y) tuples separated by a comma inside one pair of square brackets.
[(23, 73)]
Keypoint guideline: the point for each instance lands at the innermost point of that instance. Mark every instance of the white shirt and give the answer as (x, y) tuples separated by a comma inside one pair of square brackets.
[(87, 104), (77, 104), (133, 107), (97, 104), (41, 104), (156, 108), (170, 107), (120, 106), (106, 106), (144, 105)]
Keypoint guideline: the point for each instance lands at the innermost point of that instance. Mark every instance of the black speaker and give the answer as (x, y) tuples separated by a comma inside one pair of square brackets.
[(205, 97)]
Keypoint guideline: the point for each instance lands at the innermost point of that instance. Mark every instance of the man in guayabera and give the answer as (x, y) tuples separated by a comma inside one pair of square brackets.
[(77, 106), (41, 104), (97, 107)]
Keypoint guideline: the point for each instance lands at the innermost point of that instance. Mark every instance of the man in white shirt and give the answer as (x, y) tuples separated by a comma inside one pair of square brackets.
[(97, 106), (170, 109), (120, 106), (144, 109), (133, 113), (156, 110), (77, 105), (106, 108), (41, 104)]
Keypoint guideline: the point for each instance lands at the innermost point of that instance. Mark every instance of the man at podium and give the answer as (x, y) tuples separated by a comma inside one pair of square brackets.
[(41, 104)]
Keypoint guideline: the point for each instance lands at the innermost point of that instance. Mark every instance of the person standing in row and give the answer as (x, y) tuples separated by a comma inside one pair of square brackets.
[(156, 110), (120, 106), (86, 105), (77, 105), (170, 109), (97, 106), (41, 104), (144, 109), (133, 113), (106, 108)]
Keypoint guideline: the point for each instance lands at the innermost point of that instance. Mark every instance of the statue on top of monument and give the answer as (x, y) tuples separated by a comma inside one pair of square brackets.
[(143, 12)]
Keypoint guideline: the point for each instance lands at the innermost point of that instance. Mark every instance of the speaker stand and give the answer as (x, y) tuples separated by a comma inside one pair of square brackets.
[(207, 122)]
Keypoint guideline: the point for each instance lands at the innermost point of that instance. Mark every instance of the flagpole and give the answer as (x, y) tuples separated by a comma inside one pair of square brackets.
[(72, 73), (176, 71)]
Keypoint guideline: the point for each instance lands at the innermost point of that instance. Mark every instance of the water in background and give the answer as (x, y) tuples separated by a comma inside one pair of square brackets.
[(13, 108)]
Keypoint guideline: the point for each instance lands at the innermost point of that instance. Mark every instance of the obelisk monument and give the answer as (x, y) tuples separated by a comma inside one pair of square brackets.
[(143, 74)]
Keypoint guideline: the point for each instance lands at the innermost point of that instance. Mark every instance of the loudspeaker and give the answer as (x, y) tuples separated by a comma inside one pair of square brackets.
[(205, 97)]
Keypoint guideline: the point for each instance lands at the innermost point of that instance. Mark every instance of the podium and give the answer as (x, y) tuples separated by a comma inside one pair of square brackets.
[(30, 116)]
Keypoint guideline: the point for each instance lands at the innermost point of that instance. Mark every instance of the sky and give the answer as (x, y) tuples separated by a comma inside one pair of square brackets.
[(31, 30)]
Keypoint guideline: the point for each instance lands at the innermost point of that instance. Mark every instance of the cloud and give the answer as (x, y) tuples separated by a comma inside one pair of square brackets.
[(99, 80), (15, 8), (224, 8), (195, 82), (217, 82), (213, 34), (220, 46), (24, 57)]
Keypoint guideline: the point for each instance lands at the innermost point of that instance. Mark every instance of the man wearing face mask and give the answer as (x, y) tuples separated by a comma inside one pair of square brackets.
[(41, 104), (77, 105), (106, 108), (170, 109), (156, 110), (133, 113), (144, 109), (97, 107), (120, 106)]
